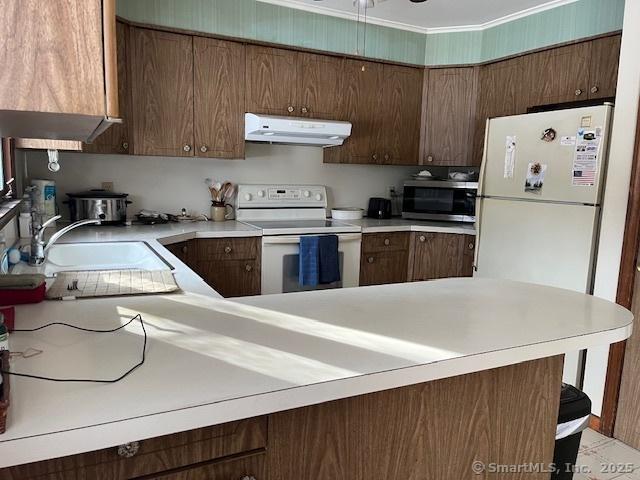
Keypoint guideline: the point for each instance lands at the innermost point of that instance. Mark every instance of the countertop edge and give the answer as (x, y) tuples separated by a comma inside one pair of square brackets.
[(81, 440)]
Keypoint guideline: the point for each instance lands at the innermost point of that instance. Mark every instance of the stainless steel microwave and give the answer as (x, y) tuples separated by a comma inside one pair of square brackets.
[(447, 200)]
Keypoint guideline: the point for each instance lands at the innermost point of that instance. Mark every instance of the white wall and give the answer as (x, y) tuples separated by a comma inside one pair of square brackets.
[(169, 184), (617, 191)]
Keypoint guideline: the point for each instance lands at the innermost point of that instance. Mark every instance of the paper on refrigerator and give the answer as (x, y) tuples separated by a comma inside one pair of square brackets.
[(509, 156), (585, 160)]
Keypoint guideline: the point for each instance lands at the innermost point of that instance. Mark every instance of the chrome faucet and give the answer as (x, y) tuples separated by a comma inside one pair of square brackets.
[(38, 246)]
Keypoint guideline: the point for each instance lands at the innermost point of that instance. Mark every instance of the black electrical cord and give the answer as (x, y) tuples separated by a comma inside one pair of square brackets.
[(78, 380)]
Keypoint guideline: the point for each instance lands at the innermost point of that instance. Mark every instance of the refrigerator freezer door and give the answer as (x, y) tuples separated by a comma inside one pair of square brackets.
[(558, 155), (537, 242)]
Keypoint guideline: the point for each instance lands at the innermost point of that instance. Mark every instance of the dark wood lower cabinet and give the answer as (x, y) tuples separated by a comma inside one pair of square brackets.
[(251, 467), (400, 256), (181, 250), (441, 255), (230, 265)]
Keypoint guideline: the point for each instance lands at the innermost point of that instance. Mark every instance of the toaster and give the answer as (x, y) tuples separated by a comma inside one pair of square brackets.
[(379, 208)]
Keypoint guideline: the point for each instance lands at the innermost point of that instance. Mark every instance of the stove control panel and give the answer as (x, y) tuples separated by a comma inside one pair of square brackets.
[(282, 196)]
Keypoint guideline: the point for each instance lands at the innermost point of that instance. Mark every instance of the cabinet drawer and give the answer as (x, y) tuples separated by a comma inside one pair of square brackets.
[(227, 248), (385, 242), (251, 466), (153, 455)]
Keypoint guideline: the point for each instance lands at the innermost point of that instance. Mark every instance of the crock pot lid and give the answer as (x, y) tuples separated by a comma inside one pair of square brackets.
[(97, 193)]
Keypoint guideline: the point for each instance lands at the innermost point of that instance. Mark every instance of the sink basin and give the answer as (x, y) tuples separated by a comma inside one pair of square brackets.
[(64, 257)]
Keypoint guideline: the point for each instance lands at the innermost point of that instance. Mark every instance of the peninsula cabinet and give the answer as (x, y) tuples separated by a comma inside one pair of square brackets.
[(117, 138), (382, 102), (449, 116), (59, 73), (440, 255), (162, 93), (289, 83)]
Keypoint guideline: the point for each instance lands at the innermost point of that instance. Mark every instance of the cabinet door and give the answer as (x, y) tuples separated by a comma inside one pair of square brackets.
[(399, 140), (219, 71), (603, 76), (253, 466), (162, 92), (378, 268), (559, 75), (441, 255), (271, 82), (361, 105), (231, 278), (502, 91), (117, 139), (450, 116), (319, 85)]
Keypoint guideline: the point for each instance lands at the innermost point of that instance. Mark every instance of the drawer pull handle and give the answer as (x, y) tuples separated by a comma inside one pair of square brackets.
[(423, 238), (578, 92), (387, 242), (204, 149), (184, 249), (128, 450), (471, 246), (227, 249), (248, 477), (125, 145), (305, 110), (594, 89), (370, 259), (290, 109), (187, 148), (248, 267)]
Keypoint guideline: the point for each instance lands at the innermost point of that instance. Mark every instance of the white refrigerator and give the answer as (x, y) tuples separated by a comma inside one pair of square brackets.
[(538, 211)]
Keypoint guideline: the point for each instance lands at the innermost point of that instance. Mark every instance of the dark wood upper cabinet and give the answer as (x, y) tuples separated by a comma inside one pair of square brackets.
[(603, 74), (361, 105), (441, 255), (162, 92), (399, 140), (450, 114), (271, 81), (559, 75), (219, 71), (117, 138), (502, 90), (319, 85)]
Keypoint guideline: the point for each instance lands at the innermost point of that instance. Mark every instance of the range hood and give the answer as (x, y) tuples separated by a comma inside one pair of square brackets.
[(295, 131)]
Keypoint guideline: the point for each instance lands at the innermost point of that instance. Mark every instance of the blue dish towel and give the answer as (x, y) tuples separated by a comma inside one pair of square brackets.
[(309, 270), (329, 260)]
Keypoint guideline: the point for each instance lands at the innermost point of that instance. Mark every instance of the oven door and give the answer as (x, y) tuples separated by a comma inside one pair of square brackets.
[(443, 200), (280, 260)]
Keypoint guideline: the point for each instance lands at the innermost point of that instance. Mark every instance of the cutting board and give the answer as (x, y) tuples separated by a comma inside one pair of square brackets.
[(105, 283)]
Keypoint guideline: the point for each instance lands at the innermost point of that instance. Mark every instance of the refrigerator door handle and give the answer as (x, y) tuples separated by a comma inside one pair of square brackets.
[(478, 223)]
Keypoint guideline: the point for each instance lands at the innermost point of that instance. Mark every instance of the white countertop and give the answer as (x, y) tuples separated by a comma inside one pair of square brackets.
[(372, 225), (211, 360)]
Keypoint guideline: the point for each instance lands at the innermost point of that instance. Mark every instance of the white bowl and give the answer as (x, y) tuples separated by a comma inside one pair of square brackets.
[(347, 213)]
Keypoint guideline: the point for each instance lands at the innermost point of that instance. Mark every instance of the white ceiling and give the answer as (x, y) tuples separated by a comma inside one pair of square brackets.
[(432, 15)]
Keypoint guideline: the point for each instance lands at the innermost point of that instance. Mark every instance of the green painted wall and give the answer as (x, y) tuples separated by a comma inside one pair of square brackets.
[(262, 21)]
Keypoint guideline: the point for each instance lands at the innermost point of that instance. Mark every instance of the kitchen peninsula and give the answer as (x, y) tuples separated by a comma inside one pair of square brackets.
[(415, 380)]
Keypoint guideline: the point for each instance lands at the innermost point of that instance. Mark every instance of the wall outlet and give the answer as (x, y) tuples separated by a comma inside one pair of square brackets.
[(391, 191), (108, 186)]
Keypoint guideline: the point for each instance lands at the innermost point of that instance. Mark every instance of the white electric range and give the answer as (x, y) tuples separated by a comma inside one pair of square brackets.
[(286, 212)]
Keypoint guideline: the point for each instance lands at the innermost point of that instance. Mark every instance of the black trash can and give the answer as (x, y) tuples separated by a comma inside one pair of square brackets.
[(573, 418)]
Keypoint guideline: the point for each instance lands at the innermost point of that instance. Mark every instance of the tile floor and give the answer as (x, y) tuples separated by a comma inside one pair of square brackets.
[(597, 453)]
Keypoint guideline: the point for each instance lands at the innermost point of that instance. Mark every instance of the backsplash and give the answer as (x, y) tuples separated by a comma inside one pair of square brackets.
[(272, 23), (169, 184)]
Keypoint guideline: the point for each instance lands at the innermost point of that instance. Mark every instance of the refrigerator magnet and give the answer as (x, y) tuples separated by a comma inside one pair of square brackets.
[(535, 177), (549, 135)]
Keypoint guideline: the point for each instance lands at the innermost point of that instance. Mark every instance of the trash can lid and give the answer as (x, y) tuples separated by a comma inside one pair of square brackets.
[(574, 404)]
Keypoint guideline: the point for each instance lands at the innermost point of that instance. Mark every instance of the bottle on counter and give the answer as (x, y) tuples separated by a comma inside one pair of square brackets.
[(4, 334)]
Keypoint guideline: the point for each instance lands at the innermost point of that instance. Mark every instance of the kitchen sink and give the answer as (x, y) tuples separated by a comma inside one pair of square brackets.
[(64, 257)]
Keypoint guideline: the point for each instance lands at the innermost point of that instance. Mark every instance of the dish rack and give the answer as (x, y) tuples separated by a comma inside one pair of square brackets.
[(4, 399)]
